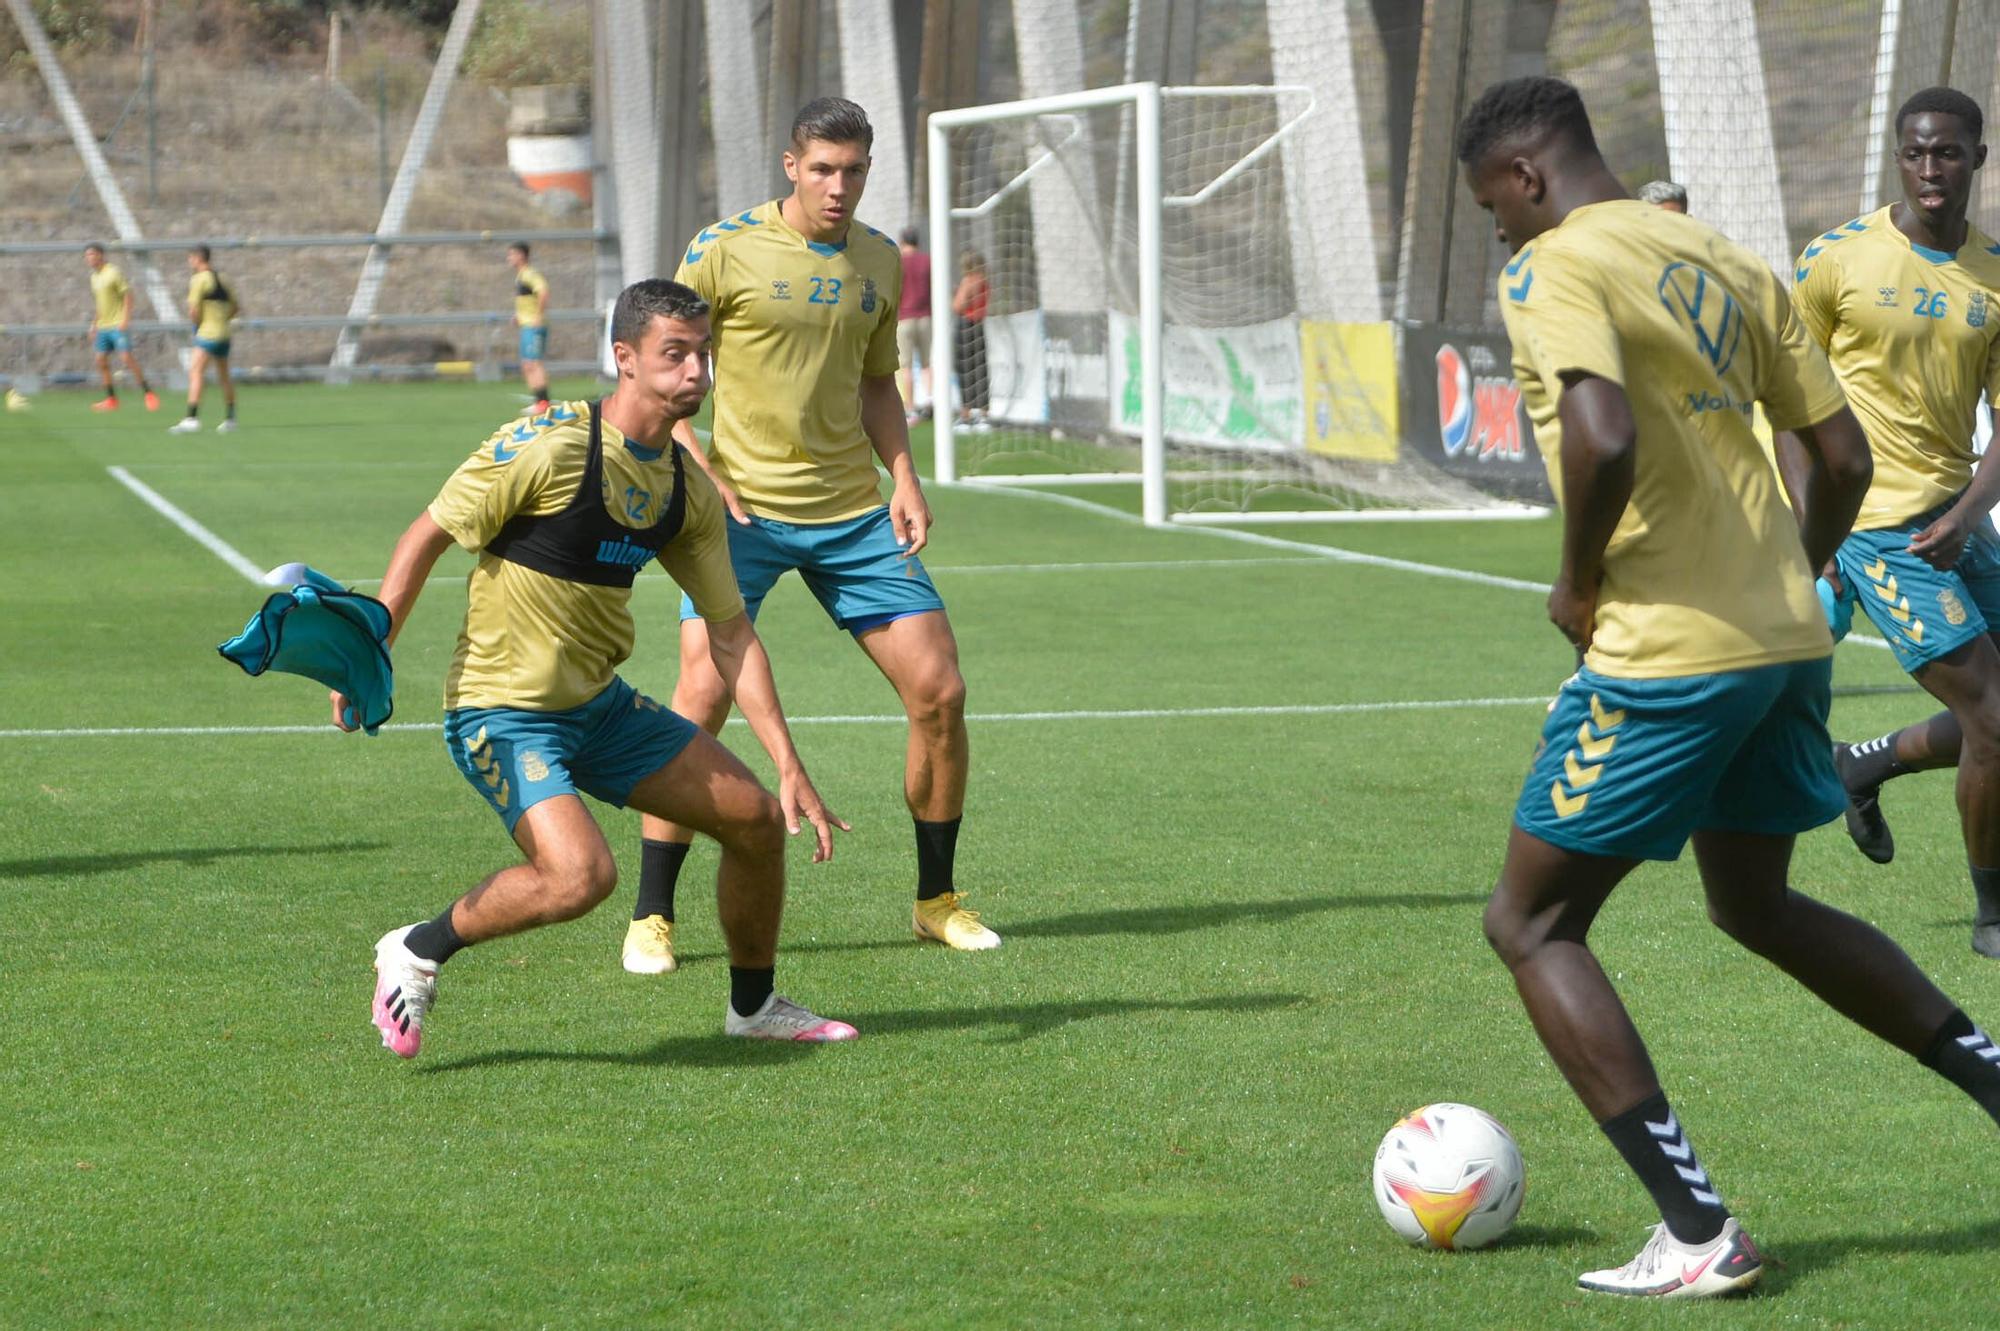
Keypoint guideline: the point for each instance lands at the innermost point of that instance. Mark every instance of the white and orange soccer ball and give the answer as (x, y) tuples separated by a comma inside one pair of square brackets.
[(1449, 1176)]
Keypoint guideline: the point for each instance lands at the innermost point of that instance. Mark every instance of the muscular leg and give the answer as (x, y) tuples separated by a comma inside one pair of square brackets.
[(1967, 681), (1852, 966), (707, 789), (104, 368), (197, 365), (569, 870), (1538, 921), (228, 385), (919, 656), (701, 697)]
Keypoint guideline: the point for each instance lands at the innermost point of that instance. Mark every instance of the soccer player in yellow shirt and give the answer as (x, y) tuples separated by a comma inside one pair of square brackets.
[(1907, 303), (110, 328), (531, 316), (212, 307), (1640, 339), (806, 401), (563, 509)]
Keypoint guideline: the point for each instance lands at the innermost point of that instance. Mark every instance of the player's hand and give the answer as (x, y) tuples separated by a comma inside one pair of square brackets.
[(796, 796), (910, 518), (730, 501), (1574, 611), (341, 708), (1941, 543), (1832, 575)]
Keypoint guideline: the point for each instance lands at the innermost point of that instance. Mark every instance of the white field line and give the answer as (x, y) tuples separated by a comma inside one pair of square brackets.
[(1083, 714), (215, 545), (1329, 552), (955, 570)]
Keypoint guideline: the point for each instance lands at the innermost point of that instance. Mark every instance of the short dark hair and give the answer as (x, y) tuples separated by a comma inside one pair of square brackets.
[(93, 245), (1944, 101), (910, 236), (1534, 108), (199, 252), (831, 120), (520, 245), (653, 298)]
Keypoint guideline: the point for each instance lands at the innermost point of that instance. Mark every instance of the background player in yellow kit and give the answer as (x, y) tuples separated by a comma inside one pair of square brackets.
[(1906, 302), (806, 402), (531, 316), (110, 328), (212, 306)]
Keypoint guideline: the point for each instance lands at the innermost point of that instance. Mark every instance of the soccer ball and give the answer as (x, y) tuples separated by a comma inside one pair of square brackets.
[(1449, 1176)]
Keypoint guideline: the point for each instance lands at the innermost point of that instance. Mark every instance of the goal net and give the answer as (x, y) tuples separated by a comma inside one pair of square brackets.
[(1133, 251)]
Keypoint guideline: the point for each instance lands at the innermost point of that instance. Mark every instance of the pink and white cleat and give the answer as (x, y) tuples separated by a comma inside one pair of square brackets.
[(780, 1019), (405, 987)]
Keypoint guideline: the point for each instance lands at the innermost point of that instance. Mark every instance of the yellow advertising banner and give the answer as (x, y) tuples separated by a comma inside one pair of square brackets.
[(1351, 390)]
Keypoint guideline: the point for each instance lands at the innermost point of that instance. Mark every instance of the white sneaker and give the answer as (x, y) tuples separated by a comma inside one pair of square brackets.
[(1666, 1268), (185, 425), (226, 426), (782, 1019), (405, 988)]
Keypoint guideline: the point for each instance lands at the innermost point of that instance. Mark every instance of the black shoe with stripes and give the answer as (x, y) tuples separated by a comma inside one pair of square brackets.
[(1866, 826)]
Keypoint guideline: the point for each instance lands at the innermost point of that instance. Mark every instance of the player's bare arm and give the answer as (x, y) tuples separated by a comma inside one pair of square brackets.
[(1942, 543), (125, 312), (1599, 462), (409, 566), (740, 659), (685, 436), (1833, 470), (888, 431)]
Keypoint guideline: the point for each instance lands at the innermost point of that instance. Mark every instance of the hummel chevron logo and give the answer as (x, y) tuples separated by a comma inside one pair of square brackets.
[(1670, 1129), (1519, 268), (1606, 720), (1981, 1044), (1591, 746), (1566, 805), (1579, 775), (1876, 570)]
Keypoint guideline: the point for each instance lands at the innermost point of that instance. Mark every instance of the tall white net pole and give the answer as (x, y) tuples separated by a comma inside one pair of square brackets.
[(736, 108), (938, 160), (1328, 204), (397, 208), (871, 75), (1152, 319), (106, 184)]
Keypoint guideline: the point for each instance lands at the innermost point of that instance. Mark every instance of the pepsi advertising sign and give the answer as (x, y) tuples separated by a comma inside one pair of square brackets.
[(1462, 410)]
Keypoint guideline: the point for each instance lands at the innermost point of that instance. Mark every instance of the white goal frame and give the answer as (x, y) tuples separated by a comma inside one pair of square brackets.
[(1149, 203)]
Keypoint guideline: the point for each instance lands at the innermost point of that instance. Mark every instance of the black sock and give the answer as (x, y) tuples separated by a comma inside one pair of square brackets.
[(194, 410), (110, 392), (659, 870), (1986, 889), (1650, 1138), (229, 410), (1966, 1057), (749, 986), (1871, 762), (144, 387), (434, 940), (937, 846)]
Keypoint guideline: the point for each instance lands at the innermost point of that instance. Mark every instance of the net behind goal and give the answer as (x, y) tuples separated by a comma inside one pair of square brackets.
[(1126, 279)]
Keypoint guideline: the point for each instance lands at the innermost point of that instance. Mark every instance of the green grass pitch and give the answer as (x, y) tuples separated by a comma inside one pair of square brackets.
[(1239, 943)]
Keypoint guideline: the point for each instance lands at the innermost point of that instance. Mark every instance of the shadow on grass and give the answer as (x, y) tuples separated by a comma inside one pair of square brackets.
[(1170, 919), (1801, 1259), (1020, 1021), (51, 866), (1546, 1236)]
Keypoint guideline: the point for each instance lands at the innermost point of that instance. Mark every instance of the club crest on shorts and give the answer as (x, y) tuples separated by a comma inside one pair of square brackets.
[(1954, 609), (533, 767)]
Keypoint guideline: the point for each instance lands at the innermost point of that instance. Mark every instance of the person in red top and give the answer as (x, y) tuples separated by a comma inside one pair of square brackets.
[(969, 304), (913, 322)]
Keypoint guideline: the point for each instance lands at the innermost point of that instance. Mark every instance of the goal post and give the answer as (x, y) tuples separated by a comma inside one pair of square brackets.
[(1143, 321)]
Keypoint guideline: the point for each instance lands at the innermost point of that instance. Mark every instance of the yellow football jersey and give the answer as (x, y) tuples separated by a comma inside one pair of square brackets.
[(218, 305), (528, 288), (108, 288), (545, 644), (797, 325), (1705, 572), (1912, 334)]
